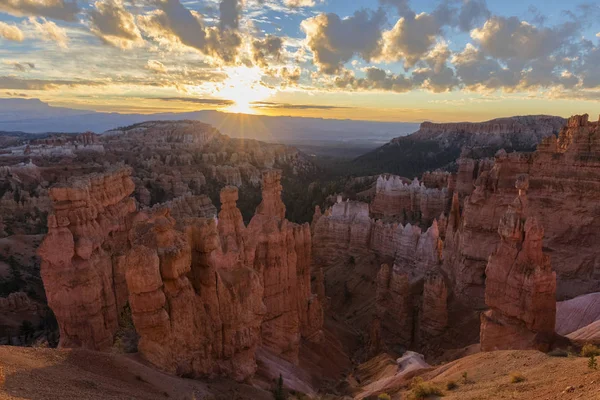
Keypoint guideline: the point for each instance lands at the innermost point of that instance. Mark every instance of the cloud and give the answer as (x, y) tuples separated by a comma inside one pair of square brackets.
[(403, 6), (266, 49), (174, 22), (376, 79), (50, 32), (267, 104), (12, 83), (156, 66), (299, 3), (230, 11), (334, 41), (590, 69), (111, 22), (11, 32), (21, 66), (219, 102), (55, 9), (510, 38), (411, 38), (15, 94), (475, 69), (437, 76), (471, 13), (544, 73)]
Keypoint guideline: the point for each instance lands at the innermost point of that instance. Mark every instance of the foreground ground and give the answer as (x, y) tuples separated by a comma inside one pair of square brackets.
[(489, 376), (32, 373)]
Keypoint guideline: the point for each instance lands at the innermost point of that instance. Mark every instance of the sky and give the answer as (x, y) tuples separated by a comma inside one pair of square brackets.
[(383, 60)]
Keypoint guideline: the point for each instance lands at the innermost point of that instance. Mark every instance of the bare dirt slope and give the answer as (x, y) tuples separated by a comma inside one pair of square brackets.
[(489, 375), (33, 373)]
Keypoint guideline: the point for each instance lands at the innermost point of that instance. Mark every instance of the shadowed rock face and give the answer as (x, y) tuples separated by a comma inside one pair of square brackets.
[(520, 285), (394, 198), (204, 293), (345, 232), (564, 179)]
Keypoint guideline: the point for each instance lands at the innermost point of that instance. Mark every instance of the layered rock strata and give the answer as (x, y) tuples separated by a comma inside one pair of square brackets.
[(82, 257), (520, 284), (408, 201), (204, 293), (564, 175), (280, 252), (197, 310)]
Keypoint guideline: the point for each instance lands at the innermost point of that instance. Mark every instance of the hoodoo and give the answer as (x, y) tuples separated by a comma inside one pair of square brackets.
[(520, 285)]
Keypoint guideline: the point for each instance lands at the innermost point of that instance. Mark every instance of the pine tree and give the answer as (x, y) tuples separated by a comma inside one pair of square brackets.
[(592, 363), (279, 395)]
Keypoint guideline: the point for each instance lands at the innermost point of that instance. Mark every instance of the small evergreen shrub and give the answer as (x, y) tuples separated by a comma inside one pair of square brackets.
[(592, 363)]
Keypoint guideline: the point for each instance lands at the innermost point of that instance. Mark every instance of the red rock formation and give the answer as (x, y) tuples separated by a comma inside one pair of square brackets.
[(395, 304), (203, 293), (520, 284), (416, 269), (189, 206), (437, 179), (534, 127), (344, 230), (281, 254), (414, 201), (204, 325), (564, 176), (434, 317), (81, 257)]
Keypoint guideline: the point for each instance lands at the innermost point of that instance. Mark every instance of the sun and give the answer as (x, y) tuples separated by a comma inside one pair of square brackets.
[(244, 87)]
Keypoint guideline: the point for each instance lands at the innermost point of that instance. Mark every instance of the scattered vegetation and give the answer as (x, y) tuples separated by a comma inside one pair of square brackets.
[(422, 390), (517, 377), (465, 378), (592, 363), (558, 353), (126, 338), (279, 392), (384, 396), (14, 282), (590, 350), (451, 385)]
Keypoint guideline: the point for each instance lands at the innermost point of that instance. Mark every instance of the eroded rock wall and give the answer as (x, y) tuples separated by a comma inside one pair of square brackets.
[(520, 285), (409, 201), (82, 255), (564, 176), (204, 292)]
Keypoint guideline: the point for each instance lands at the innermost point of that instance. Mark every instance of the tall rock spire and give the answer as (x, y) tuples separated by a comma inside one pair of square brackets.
[(520, 284)]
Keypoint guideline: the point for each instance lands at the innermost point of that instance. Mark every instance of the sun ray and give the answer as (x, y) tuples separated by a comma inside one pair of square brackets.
[(244, 86)]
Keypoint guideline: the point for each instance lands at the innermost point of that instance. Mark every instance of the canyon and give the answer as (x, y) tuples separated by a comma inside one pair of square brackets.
[(186, 253)]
